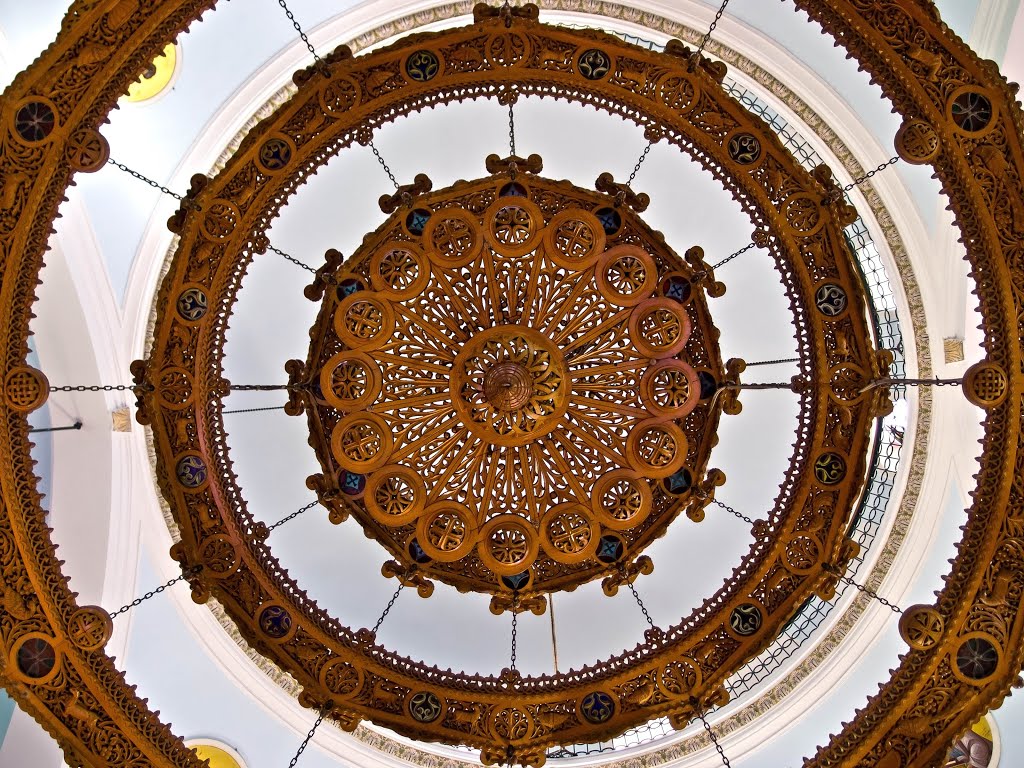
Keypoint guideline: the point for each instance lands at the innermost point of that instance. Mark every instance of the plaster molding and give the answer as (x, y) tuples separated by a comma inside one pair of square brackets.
[(85, 263), (842, 630), (987, 36)]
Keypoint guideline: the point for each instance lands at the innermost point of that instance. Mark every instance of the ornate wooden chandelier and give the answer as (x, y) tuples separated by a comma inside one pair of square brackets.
[(505, 394), (514, 385)]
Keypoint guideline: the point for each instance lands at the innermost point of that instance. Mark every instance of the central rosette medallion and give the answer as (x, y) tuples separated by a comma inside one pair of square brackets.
[(515, 385), (510, 384)]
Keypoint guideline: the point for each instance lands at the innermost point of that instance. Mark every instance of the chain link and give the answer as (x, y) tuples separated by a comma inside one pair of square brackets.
[(714, 740), (184, 201), (185, 574), (319, 719), (93, 388), (511, 129), (292, 259), (383, 165), (298, 28), (260, 387), (829, 568), (775, 362), (253, 410), (936, 382), (707, 37), (293, 515), (387, 608), (729, 258), (861, 179), (732, 511), (639, 162), (515, 630), (636, 596)]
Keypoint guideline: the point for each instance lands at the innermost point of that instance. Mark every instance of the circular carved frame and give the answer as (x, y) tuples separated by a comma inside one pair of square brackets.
[(921, 66), (222, 226)]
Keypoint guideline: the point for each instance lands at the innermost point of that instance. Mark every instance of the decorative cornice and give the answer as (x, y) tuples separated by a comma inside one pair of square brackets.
[(826, 645)]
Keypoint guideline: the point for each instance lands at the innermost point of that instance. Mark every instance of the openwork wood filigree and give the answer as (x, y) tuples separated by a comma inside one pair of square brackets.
[(960, 116), (508, 388)]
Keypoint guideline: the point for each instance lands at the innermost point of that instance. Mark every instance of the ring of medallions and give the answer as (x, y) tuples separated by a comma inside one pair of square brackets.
[(520, 367), (868, 33)]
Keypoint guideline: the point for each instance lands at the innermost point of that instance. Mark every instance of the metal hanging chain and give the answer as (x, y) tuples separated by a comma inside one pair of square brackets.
[(554, 637), (184, 201), (732, 511), (76, 426), (383, 165), (292, 259), (714, 740), (387, 608), (515, 630), (639, 162), (761, 385), (93, 388), (321, 65), (292, 516), (186, 573), (127, 387), (829, 568), (319, 719), (861, 179), (636, 596), (511, 129), (253, 410), (262, 387), (707, 37), (774, 362), (729, 258), (936, 382)]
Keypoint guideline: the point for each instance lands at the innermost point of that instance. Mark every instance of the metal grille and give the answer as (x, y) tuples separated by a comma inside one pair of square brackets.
[(884, 460)]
